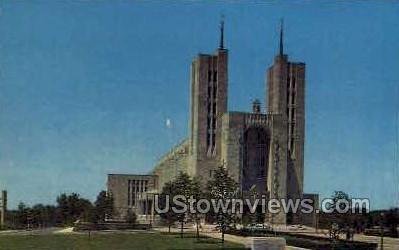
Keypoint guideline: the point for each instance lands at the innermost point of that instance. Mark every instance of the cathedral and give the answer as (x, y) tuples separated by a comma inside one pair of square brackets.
[(261, 150)]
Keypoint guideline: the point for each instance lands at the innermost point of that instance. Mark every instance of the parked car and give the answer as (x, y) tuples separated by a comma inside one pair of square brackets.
[(258, 226), (296, 227)]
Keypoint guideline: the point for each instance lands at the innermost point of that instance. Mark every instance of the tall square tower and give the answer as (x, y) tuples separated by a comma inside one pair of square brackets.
[(286, 96), (208, 104)]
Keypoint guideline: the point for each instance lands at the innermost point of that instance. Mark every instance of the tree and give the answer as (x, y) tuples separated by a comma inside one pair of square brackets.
[(343, 220), (71, 208), (182, 186), (340, 196), (222, 188), (42, 216), (169, 217), (392, 221), (131, 216), (22, 214), (334, 232), (197, 194), (104, 206)]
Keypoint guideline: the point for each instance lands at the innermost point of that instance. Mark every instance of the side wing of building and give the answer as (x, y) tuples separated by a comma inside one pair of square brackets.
[(171, 164), (130, 191)]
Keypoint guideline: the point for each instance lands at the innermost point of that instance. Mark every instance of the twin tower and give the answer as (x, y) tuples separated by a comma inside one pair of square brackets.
[(261, 150)]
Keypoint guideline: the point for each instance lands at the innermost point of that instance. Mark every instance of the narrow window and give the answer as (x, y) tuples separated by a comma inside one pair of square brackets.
[(293, 98), (128, 192), (213, 141), (133, 194)]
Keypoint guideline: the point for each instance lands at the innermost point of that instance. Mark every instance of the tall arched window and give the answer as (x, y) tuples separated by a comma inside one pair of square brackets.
[(256, 158)]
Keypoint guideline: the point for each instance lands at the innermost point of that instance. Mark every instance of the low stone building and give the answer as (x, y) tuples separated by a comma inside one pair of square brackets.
[(132, 192)]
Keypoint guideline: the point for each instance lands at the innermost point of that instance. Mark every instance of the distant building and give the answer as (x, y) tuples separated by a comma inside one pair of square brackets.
[(260, 149)]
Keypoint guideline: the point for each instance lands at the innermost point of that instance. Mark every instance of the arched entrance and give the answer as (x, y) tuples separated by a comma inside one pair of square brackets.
[(255, 159)]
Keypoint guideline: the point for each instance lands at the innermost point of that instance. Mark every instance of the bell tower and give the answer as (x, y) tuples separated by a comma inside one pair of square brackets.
[(208, 103), (286, 96)]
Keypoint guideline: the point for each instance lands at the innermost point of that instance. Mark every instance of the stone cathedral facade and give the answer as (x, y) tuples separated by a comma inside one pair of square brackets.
[(261, 150)]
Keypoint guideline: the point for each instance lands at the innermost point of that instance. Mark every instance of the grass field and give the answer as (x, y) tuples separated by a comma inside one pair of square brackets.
[(110, 241)]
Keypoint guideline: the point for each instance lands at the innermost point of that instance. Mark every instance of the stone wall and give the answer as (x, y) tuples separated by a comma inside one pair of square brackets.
[(171, 164), (233, 129)]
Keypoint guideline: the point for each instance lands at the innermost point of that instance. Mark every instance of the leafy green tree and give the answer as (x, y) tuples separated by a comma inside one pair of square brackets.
[(71, 208), (392, 220), (182, 186), (343, 220), (337, 196), (43, 216), (222, 188), (21, 215), (169, 217), (104, 206), (196, 193)]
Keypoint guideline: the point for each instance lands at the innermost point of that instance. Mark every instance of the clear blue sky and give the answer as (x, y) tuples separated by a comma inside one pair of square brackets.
[(86, 88)]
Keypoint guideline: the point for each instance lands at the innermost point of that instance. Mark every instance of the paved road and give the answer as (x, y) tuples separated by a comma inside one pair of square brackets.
[(43, 231), (68, 230)]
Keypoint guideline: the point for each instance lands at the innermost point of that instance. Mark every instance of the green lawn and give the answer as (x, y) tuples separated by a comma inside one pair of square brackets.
[(114, 241)]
